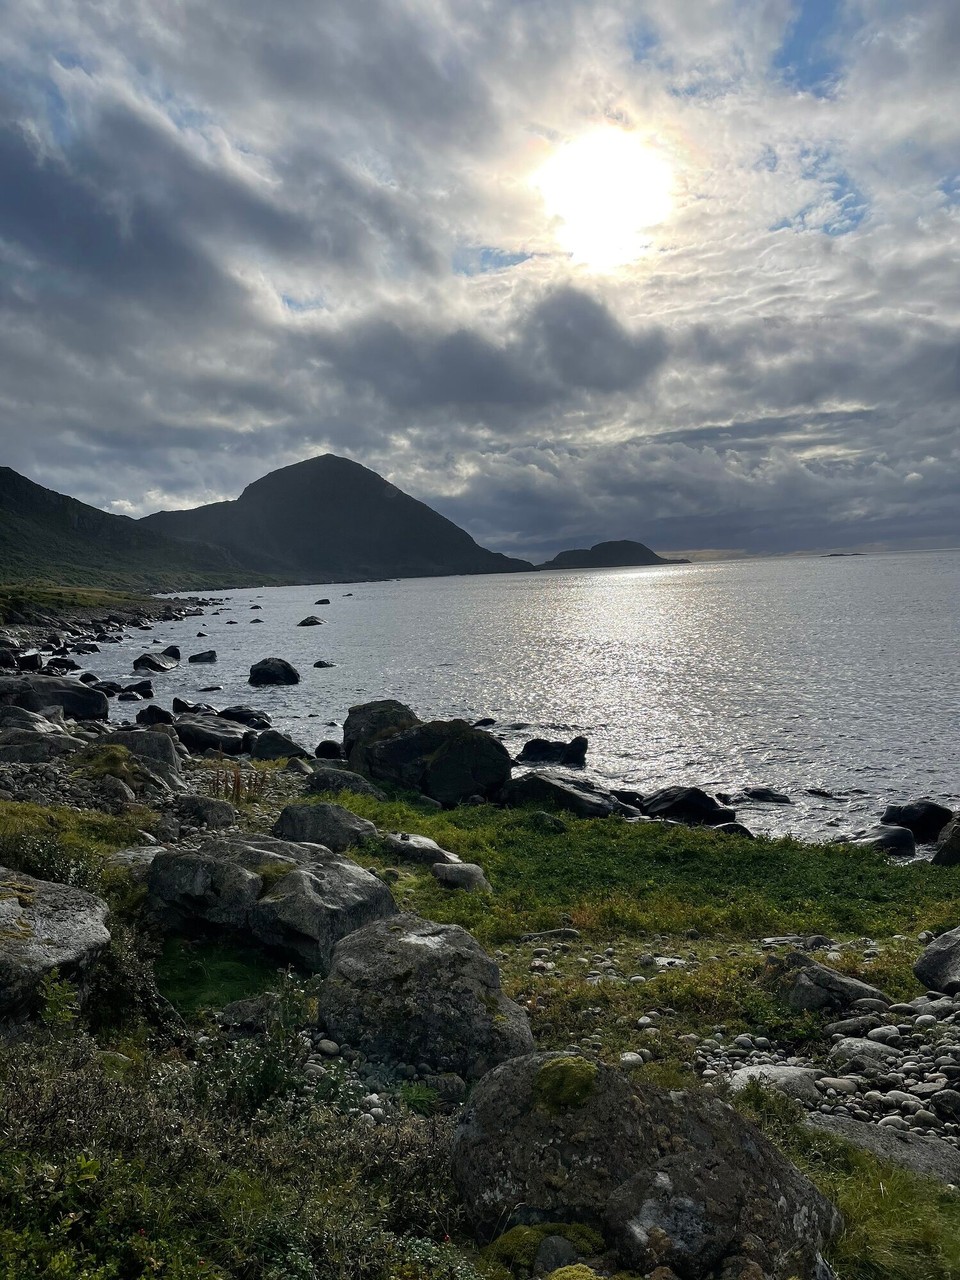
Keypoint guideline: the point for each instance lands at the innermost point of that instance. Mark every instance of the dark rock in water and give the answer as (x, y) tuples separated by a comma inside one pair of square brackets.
[(8, 659), (87, 677), (75, 699), (232, 622), (270, 671), (542, 751), (181, 705), (410, 989), (208, 655), (447, 760), (272, 745), (939, 965), (323, 601), (253, 621), (30, 662), (813, 986), (689, 805), (552, 792), (201, 733), (759, 795), (324, 778), (62, 666), (486, 722), (45, 927), (201, 635), (246, 715), (327, 824), (897, 841), (154, 662), (298, 899), (211, 688), (626, 796), (369, 721), (171, 651), (924, 818), (672, 1180), (327, 749), (312, 621), (948, 846), (203, 811), (154, 715), (143, 687), (256, 606), (322, 665), (734, 829), (129, 696)]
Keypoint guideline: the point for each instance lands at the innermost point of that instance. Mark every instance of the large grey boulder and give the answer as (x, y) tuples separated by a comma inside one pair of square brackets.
[(416, 991), (28, 746), (939, 965), (866, 1057), (816, 987), (274, 745), (401, 846), (948, 845), (298, 899), (468, 876), (204, 733), (326, 824), (147, 744), (273, 671), (369, 721), (448, 760), (44, 926), (924, 1154), (328, 778), (205, 811), (924, 818), (673, 1180), (899, 842), (799, 1083), (37, 692), (554, 792)]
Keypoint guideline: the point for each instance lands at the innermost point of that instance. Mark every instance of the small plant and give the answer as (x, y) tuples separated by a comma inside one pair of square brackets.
[(59, 1003), (419, 1097), (239, 786)]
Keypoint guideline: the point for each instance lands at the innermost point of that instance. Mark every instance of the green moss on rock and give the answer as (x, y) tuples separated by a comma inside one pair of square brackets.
[(564, 1083), (577, 1272), (517, 1248)]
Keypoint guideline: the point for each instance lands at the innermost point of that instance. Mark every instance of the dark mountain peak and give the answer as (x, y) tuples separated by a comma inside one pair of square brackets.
[(622, 554)]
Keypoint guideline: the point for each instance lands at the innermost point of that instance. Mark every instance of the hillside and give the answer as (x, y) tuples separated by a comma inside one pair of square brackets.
[(46, 537), (330, 518), (608, 555)]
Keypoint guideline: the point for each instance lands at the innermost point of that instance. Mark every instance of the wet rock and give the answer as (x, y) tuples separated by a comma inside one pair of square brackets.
[(246, 716), (543, 751), (552, 791), (38, 692), (273, 671), (312, 621), (154, 715), (939, 965), (948, 845), (370, 721), (447, 760), (409, 989), (202, 733), (924, 818), (155, 662), (207, 655), (689, 805), (897, 841)]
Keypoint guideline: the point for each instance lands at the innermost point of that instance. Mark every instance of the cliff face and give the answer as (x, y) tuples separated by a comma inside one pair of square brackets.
[(330, 518), (608, 555), (48, 537)]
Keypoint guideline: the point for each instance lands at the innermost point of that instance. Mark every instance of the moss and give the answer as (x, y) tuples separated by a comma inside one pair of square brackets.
[(564, 1083), (517, 1248), (578, 1272), (271, 873)]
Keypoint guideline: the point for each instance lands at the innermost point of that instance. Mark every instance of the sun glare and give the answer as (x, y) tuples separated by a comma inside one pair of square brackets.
[(606, 189)]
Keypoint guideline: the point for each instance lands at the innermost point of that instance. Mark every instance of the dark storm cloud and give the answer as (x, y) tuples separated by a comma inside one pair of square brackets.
[(228, 240)]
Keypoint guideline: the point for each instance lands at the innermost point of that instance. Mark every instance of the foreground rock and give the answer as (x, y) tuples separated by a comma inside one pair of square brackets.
[(555, 792), (899, 842), (939, 965), (298, 899), (409, 989), (815, 987), (948, 845), (924, 1154), (273, 671), (447, 760), (273, 745), (924, 818), (39, 692), (159, 663), (672, 1180), (326, 824), (44, 926), (418, 850), (211, 733), (369, 721), (689, 805)]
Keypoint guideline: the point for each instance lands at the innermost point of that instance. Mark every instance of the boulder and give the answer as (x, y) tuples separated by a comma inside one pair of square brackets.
[(143, 687), (939, 965), (461, 875), (897, 841), (298, 899), (171, 651), (328, 749), (270, 671), (326, 824), (759, 795), (543, 751), (44, 926), (554, 792), (155, 662), (149, 745), (924, 1154), (246, 716), (421, 851), (205, 811), (673, 1180), (30, 746), (948, 845), (273, 745), (447, 760), (866, 1057), (327, 778), (409, 989), (154, 715), (689, 805), (799, 1083), (203, 733), (925, 818), (815, 987), (368, 721), (734, 829), (36, 692), (312, 621), (207, 655)]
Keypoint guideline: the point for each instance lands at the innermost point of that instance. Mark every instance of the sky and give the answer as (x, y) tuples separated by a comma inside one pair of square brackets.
[(684, 271)]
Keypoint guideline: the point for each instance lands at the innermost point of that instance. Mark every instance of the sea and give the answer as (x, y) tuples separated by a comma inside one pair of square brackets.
[(835, 680)]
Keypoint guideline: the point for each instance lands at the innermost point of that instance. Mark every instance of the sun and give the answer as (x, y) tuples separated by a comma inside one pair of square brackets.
[(605, 189)]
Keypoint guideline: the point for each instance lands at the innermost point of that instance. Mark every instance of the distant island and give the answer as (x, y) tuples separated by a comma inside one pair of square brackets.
[(608, 555)]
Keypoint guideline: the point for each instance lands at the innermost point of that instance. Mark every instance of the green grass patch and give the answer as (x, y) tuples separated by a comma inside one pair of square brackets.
[(208, 974)]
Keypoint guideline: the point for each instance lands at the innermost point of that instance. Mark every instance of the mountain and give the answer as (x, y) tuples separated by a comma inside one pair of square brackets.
[(331, 519), (46, 537), (608, 555)]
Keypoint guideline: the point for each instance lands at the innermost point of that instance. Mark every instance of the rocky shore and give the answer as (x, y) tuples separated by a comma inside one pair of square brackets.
[(243, 834)]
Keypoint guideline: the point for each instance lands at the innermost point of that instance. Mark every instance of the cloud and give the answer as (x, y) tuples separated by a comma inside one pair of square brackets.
[(232, 239)]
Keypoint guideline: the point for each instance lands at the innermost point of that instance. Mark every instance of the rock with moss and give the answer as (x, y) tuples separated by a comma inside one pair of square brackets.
[(413, 990), (676, 1180), (45, 927), (38, 692), (297, 899)]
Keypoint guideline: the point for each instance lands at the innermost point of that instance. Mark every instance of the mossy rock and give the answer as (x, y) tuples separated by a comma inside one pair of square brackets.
[(576, 1272), (517, 1248), (564, 1083)]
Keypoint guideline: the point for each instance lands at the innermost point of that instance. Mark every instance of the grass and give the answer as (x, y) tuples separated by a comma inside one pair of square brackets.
[(14, 600), (208, 974)]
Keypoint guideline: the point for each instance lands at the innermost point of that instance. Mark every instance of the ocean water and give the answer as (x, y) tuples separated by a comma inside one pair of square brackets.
[(835, 674)]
